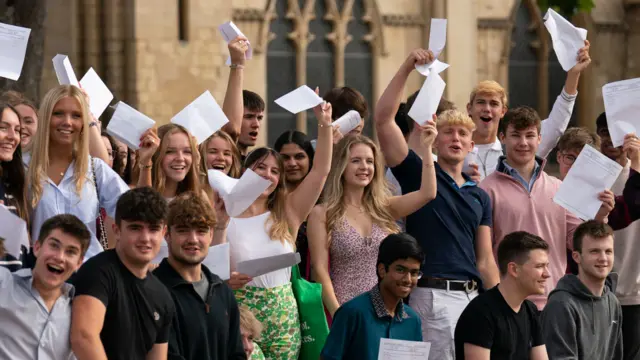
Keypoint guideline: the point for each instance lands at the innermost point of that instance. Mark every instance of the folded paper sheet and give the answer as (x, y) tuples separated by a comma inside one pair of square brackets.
[(391, 349), (428, 99), (590, 174), (230, 31), (13, 48), (348, 121), (300, 99), (437, 42), (202, 117), (64, 70), (237, 194), (261, 266), (99, 95), (567, 39), (217, 261), (622, 106), (437, 66), (14, 232), (128, 124)]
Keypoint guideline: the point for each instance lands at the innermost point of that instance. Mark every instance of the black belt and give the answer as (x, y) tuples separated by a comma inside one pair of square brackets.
[(451, 285)]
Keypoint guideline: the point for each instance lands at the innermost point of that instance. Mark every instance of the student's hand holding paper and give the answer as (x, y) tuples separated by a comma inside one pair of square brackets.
[(631, 147), (238, 281), (474, 172), (428, 132), (583, 58), (323, 112), (418, 57), (149, 142), (608, 202), (222, 217), (337, 135), (237, 49)]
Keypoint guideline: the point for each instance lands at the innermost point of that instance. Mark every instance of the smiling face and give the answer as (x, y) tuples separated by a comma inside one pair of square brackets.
[(566, 158), (521, 144), (9, 134), (219, 155), (187, 245), (401, 277), (595, 260), (453, 142), (486, 110), (178, 157), (269, 169), (28, 122), (139, 242), (251, 121), (360, 167), (66, 122), (533, 274), (57, 257), (607, 148), (296, 162)]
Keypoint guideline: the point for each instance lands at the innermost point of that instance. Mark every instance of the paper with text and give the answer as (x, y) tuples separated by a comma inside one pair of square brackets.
[(567, 39), (428, 98), (261, 266), (237, 194), (14, 232), (622, 106), (348, 122), (99, 95), (64, 70), (300, 99), (128, 124), (590, 174), (13, 48), (391, 349), (202, 117), (437, 42), (230, 31), (218, 261)]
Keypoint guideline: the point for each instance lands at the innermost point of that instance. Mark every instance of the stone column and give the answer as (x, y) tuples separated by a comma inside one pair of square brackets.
[(461, 51), (632, 19)]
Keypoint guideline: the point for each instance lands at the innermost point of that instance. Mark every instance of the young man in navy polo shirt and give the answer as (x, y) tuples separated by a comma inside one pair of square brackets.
[(455, 226), (359, 324)]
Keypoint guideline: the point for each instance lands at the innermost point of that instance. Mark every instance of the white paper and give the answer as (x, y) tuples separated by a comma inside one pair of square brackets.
[(471, 158), (348, 121), (237, 194), (438, 66), (202, 117), (590, 174), (437, 41), (261, 266), (13, 48), (14, 232), (567, 39), (64, 70), (99, 95), (230, 31), (218, 261), (622, 106), (391, 349), (128, 124), (428, 98), (300, 99)]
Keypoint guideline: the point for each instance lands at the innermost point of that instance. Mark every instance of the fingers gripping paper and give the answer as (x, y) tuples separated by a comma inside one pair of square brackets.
[(437, 41), (567, 39), (127, 125), (300, 99), (237, 194)]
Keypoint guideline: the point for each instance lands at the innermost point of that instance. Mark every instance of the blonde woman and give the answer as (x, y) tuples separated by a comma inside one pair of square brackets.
[(269, 227), (358, 212), (60, 171), (221, 153)]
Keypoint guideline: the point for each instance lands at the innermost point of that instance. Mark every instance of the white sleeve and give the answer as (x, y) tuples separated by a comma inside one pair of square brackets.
[(110, 186), (554, 126)]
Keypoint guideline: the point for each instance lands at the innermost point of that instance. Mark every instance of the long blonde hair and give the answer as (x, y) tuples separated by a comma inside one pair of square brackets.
[(40, 150), (376, 194), (276, 202), (236, 166), (191, 182)]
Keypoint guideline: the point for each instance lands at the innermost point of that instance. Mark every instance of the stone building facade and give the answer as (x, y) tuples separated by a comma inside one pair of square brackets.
[(158, 55)]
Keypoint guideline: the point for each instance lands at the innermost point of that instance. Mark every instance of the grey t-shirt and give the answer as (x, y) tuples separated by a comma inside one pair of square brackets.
[(201, 287)]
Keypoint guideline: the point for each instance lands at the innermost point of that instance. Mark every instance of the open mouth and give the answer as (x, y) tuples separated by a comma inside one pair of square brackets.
[(253, 134), (65, 132), (486, 119), (455, 147), (220, 167), (8, 147), (178, 167), (55, 269)]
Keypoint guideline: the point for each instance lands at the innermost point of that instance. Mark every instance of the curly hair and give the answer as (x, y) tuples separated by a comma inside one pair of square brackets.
[(141, 204), (192, 211)]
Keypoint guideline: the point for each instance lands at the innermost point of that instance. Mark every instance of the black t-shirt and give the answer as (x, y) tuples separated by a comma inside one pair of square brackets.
[(139, 311), (489, 322)]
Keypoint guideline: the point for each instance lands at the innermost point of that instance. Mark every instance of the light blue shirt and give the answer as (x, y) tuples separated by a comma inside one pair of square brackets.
[(28, 330), (516, 175), (63, 199)]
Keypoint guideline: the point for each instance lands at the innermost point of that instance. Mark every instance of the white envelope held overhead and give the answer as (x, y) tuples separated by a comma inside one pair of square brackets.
[(428, 98), (567, 39), (237, 194), (300, 99), (128, 124), (590, 174), (14, 232), (257, 267), (348, 121), (230, 31), (202, 117), (391, 349), (437, 41), (99, 95), (217, 261), (622, 106), (13, 48), (64, 70)]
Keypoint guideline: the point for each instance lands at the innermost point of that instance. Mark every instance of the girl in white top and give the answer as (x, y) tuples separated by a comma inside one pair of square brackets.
[(269, 227)]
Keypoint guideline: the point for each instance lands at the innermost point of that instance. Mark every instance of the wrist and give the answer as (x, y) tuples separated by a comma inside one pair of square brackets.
[(93, 124), (236, 66), (145, 165)]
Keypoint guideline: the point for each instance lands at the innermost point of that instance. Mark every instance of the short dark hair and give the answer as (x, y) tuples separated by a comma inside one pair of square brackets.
[(68, 224), (595, 229), (345, 98), (252, 101), (298, 138), (141, 204), (191, 210), (516, 246), (576, 138), (403, 121), (521, 117), (397, 247), (601, 121)]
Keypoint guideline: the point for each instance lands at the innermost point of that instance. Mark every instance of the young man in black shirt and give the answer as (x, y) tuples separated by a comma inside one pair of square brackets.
[(501, 323), (207, 322), (121, 310)]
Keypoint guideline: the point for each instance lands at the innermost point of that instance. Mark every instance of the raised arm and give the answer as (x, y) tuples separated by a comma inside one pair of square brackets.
[(303, 199), (318, 241), (149, 142), (87, 320), (233, 106), (407, 204), (392, 142)]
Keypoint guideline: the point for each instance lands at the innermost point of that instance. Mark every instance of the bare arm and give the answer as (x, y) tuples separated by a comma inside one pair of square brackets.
[(474, 352), (158, 352), (233, 106), (539, 353), (149, 142), (87, 320), (485, 260), (318, 240), (96, 146)]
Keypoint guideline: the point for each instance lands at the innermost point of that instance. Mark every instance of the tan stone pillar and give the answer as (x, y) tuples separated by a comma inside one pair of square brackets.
[(586, 106), (632, 19)]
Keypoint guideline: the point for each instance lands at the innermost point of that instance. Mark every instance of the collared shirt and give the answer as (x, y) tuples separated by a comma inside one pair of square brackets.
[(29, 330), (509, 170), (360, 323)]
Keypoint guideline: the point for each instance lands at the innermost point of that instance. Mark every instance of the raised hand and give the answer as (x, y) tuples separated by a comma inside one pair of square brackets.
[(631, 147), (238, 281), (323, 112), (222, 217), (474, 172), (608, 202), (583, 58), (428, 132), (237, 49), (149, 142), (418, 57)]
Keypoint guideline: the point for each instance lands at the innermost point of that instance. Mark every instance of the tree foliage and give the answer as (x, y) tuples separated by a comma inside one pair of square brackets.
[(567, 8)]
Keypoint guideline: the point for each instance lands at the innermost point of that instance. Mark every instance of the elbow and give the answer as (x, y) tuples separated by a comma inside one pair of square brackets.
[(80, 339)]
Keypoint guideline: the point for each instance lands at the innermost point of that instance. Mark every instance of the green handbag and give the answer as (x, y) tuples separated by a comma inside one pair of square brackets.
[(313, 322)]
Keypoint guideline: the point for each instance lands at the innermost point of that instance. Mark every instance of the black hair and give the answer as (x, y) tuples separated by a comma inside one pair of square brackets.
[(117, 162), (398, 247), (601, 121), (516, 246), (403, 121), (142, 204), (68, 224), (252, 101), (12, 175), (298, 138)]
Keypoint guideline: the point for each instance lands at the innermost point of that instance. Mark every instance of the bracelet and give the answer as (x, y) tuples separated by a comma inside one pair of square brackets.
[(93, 123), (236, 66), (218, 228), (324, 126), (144, 167)]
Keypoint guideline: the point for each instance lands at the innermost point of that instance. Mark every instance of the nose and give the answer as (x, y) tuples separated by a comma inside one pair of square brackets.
[(290, 162), (255, 124), (545, 273)]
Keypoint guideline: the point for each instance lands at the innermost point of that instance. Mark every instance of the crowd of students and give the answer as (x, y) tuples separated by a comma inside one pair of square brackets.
[(445, 232)]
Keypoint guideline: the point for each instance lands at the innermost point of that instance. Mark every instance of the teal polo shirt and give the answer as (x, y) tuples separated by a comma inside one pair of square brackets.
[(359, 324)]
